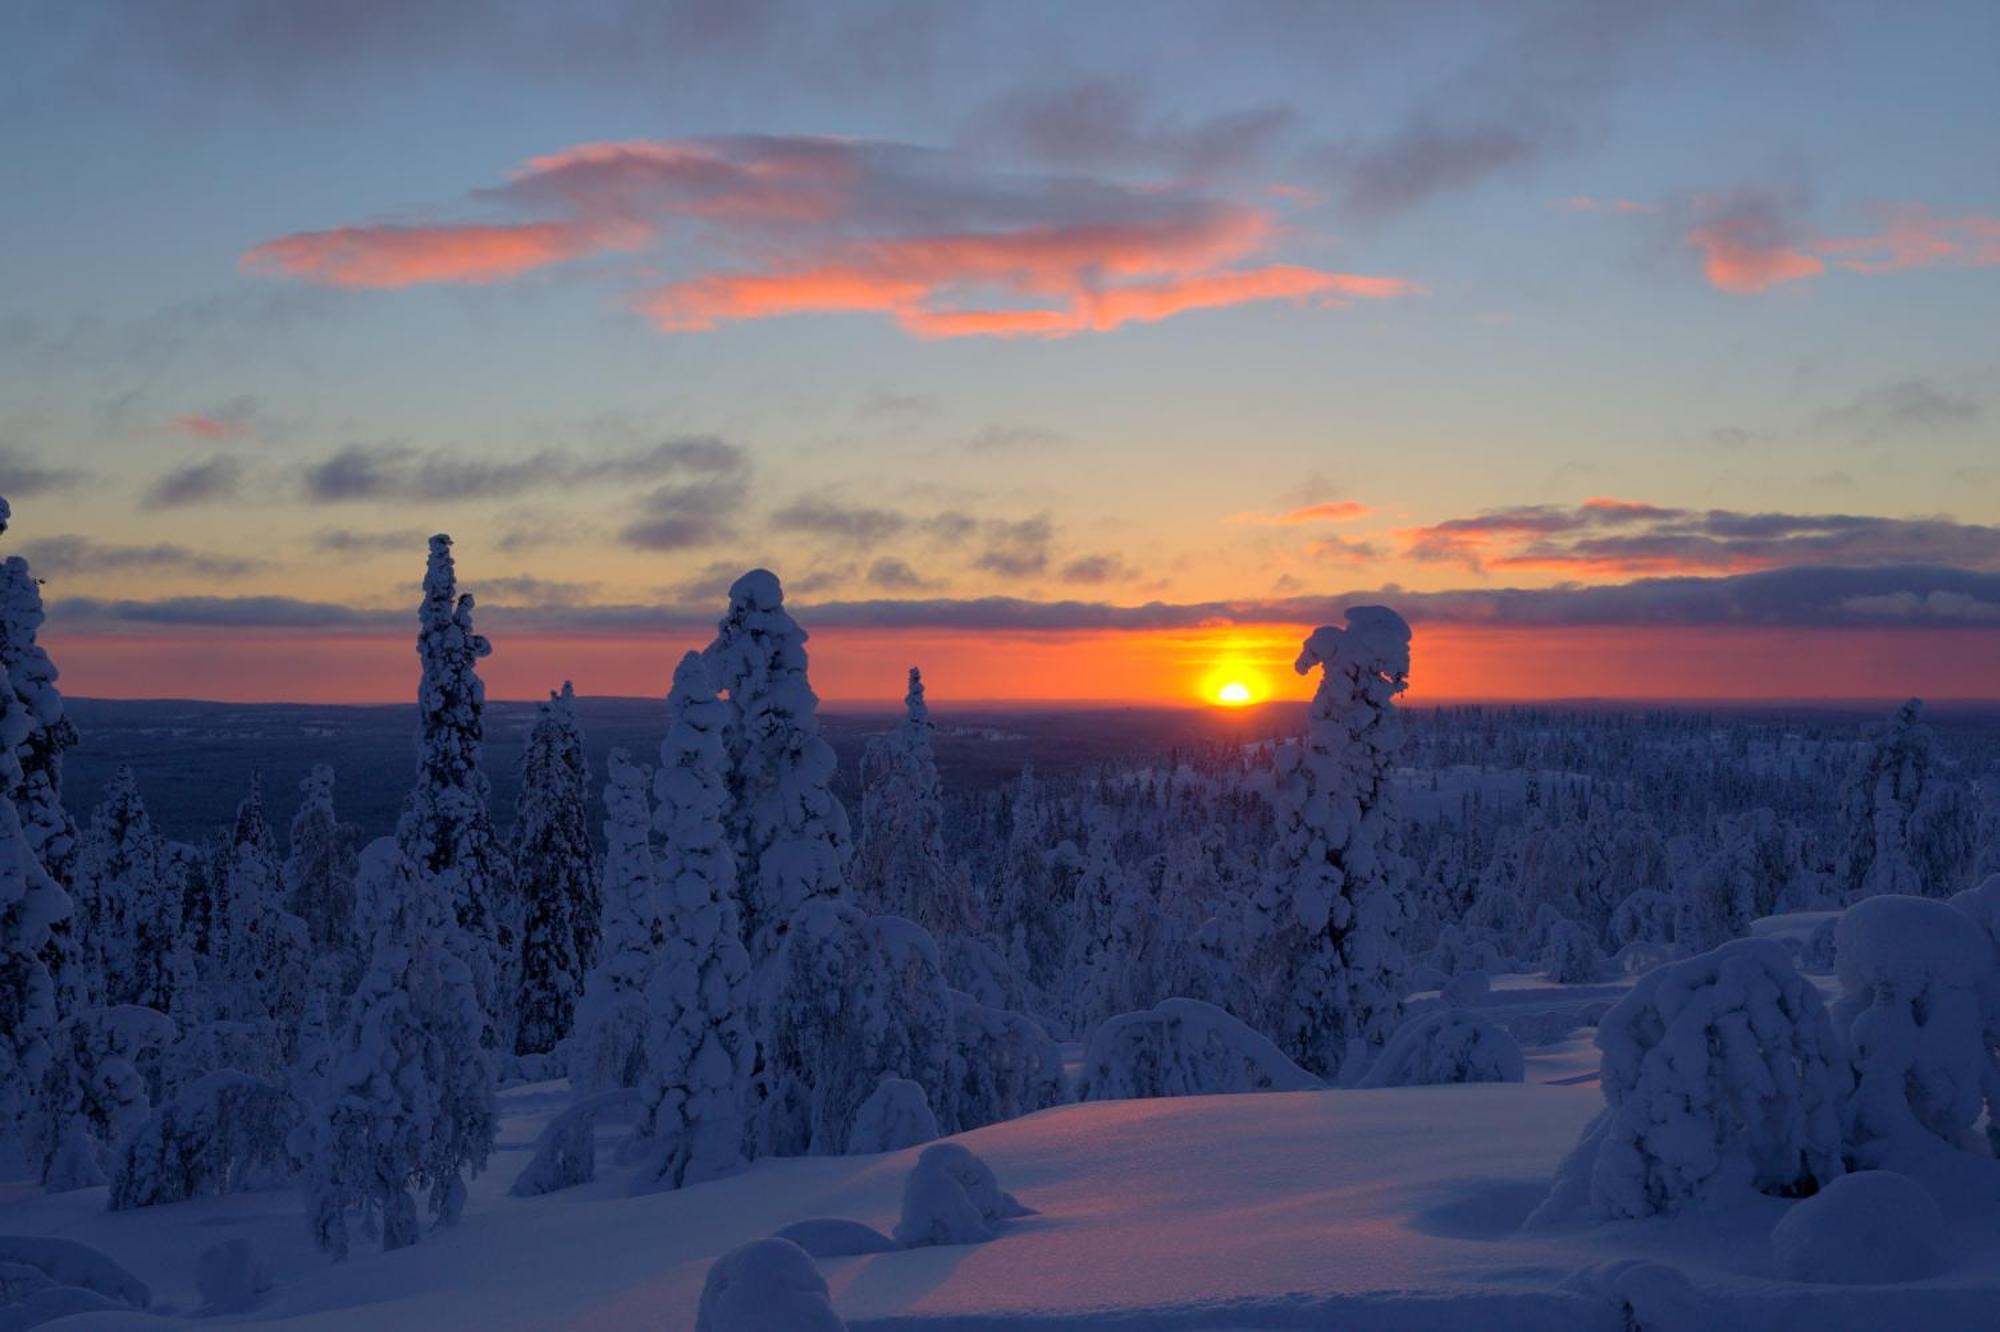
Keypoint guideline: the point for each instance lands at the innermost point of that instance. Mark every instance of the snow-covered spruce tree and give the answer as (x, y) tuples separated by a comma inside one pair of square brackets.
[(1334, 896), (35, 786), (697, 1097), (52, 834), (268, 959), (788, 831), (900, 867), (1099, 964), (1721, 1074), (556, 875), (129, 898), (1026, 914), (319, 876), (1910, 828), (446, 828), (410, 1103), (607, 1049), (99, 1091), (30, 904)]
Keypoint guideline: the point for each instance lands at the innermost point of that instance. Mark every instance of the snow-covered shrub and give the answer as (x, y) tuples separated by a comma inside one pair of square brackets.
[(763, 1286), (555, 875), (694, 1122), (566, 1152), (1449, 1045), (103, 1096), (1465, 989), (1335, 895), (1644, 916), (951, 1197), (1821, 951), (1183, 1047), (1468, 948), (207, 1047), (978, 969), (1004, 1065), (1572, 956), (232, 1277), (227, 1133), (789, 832), (1867, 1228), (608, 1047), (1918, 1000), (853, 997), (896, 1115), (1721, 1072)]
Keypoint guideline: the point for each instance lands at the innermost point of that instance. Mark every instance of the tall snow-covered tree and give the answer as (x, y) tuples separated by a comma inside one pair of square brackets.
[(1909, 829), (788, 831), (30, 904), (410, 1095), (1334, 898), (446, 829), (701, 1054), (900, 865), (1025, 913), (1099, 963), (319, 873), (130, 899), (608, 1046), (556, 875), (268, 958)]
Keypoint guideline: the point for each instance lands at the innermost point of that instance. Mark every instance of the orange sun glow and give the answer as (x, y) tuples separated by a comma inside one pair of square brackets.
[(1233, 695)]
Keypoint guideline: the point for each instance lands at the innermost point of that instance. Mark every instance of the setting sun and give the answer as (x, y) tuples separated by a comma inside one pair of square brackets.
[(1233, 695)]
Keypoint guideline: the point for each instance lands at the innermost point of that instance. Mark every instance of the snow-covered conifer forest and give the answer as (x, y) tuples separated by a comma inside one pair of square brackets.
[(1499, 1018)]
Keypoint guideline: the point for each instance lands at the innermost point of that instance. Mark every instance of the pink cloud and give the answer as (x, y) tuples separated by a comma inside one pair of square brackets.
[(1914, 236), (786, 226), (203, 426), (1327, 511), (1748, 253)]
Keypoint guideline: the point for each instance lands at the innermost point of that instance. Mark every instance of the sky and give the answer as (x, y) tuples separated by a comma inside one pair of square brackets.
[(1070, 352)]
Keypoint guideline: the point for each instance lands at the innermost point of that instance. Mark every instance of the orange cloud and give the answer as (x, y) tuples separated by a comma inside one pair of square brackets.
[(1329, 511), (1747, 254), (407, 256), (805, 225)]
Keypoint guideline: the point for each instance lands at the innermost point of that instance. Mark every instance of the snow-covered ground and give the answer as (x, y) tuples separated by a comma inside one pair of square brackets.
[(1383, 1209)]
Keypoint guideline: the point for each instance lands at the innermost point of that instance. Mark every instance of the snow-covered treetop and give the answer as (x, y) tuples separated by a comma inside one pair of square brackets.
[(451, 697), (6, 515), (1375, 643)]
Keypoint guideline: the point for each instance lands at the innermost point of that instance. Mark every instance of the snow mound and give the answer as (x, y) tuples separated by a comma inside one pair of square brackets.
[(952, 1197), (1864, 1229), (1466, 988), (764, 1286), (68, 1263), (1446, 1046), (232, 1277), (896, 1115), (1183, 1047), (1720, 1073), (836, 1237)]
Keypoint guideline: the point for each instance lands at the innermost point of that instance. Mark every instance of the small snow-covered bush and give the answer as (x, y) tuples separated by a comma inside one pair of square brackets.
[(1821, 950), (232, 1277), (952, 1197), (566, 1151), (979, 970), (1918, 991), (1004, 1065), (1645, 916), (226, 1133), (896, 1115), (857, 997), (1462, 949), (1184, 1047), (1449, 1045), (1573, 956), (1719, 1072), (763, 1286), (1867, 1228)]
